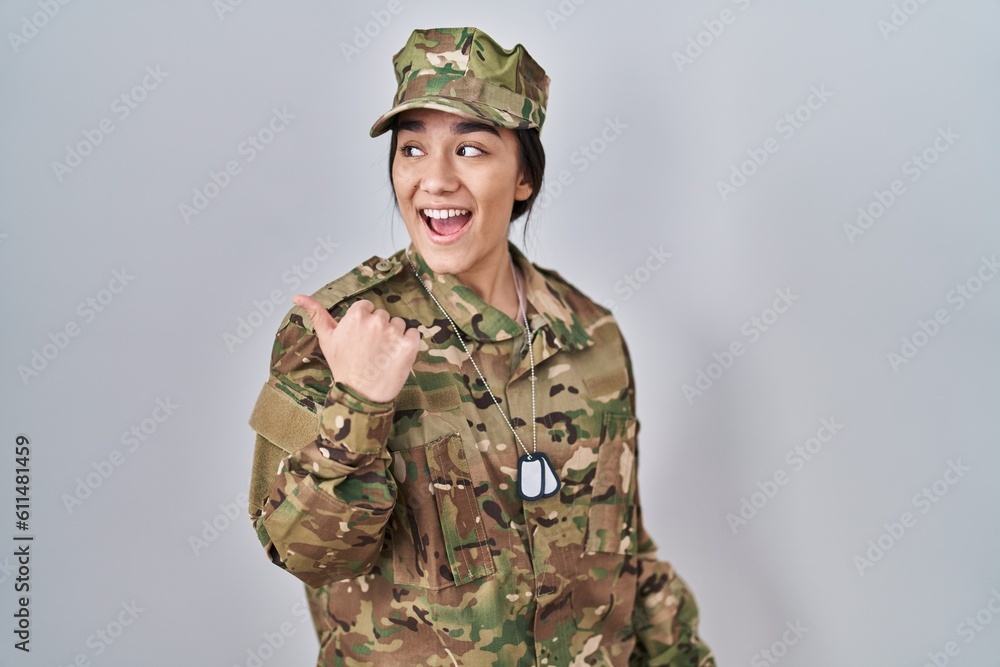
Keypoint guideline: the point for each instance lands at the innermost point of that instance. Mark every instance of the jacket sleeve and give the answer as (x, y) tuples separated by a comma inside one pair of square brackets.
[(320, 491), (665, 617)]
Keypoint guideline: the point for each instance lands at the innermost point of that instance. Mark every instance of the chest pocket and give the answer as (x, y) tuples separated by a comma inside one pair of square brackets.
[(610, 518), (437, 532)]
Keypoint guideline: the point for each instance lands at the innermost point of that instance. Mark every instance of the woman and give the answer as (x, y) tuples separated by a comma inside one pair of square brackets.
[(449, 493)]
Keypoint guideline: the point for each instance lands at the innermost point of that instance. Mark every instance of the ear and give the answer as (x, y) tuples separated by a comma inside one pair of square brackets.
[(524, 187)]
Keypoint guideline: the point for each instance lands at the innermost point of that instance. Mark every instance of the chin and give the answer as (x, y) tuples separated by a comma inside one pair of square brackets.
[(451, 260)]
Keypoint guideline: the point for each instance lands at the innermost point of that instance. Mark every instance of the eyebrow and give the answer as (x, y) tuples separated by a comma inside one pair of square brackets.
[(458, 127)]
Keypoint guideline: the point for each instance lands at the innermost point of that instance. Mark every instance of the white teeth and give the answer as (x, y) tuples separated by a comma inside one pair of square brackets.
[(440, 214)]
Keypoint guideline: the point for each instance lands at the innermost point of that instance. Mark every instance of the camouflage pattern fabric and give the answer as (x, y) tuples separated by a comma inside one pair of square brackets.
[(403, 518), (464, 71)]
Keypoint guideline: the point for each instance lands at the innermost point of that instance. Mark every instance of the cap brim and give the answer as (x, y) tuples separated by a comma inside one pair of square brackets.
[(473, 110)]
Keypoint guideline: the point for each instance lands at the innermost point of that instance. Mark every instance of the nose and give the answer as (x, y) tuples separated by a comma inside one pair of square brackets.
[(439, 174)]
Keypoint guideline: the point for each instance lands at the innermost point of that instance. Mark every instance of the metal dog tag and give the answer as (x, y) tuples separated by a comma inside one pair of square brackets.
[(536, 477)]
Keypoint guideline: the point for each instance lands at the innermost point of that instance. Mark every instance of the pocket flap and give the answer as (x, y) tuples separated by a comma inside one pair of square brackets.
[(441, 399)]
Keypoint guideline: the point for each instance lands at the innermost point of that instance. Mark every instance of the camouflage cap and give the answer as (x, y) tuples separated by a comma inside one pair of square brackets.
[(464, 71)]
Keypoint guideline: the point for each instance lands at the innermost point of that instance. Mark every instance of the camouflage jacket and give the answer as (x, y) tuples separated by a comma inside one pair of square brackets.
[(403, 518)]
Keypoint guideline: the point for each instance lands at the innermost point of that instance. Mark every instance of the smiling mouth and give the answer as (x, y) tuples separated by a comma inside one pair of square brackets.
[(446, 222)]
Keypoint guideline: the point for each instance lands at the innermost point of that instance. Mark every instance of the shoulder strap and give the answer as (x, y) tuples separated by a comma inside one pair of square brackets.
[(363, 277)]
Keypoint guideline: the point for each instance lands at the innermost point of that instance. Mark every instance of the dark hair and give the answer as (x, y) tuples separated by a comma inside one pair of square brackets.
[(531, 158)]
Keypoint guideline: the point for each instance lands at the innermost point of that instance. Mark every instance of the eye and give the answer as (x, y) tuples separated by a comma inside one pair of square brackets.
[(464, 149), (407, 151)]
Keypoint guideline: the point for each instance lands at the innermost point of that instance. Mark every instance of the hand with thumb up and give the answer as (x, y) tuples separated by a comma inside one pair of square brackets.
[(367, 350)]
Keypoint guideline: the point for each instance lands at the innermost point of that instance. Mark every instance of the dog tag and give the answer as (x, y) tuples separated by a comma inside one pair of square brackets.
[(535, 477)]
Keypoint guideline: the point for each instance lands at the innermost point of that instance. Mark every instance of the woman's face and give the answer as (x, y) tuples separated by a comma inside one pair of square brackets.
[(456, 181)]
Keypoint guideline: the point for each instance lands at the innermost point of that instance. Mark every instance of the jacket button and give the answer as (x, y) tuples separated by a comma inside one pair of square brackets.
[(384, 265)]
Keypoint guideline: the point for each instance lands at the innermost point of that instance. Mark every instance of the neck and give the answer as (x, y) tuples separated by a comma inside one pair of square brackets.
[(492, 282)]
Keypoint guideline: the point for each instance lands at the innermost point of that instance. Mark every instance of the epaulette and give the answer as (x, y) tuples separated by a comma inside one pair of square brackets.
[(567, 288), (363, 277)]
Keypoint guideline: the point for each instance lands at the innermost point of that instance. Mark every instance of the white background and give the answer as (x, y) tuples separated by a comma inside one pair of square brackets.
[(687, 125)]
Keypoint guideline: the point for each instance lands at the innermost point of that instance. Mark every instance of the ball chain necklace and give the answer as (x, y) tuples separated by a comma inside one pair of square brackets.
[(536, 477)]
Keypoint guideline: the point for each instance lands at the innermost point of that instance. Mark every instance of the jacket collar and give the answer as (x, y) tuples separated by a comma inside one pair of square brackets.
[(547, 304)]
